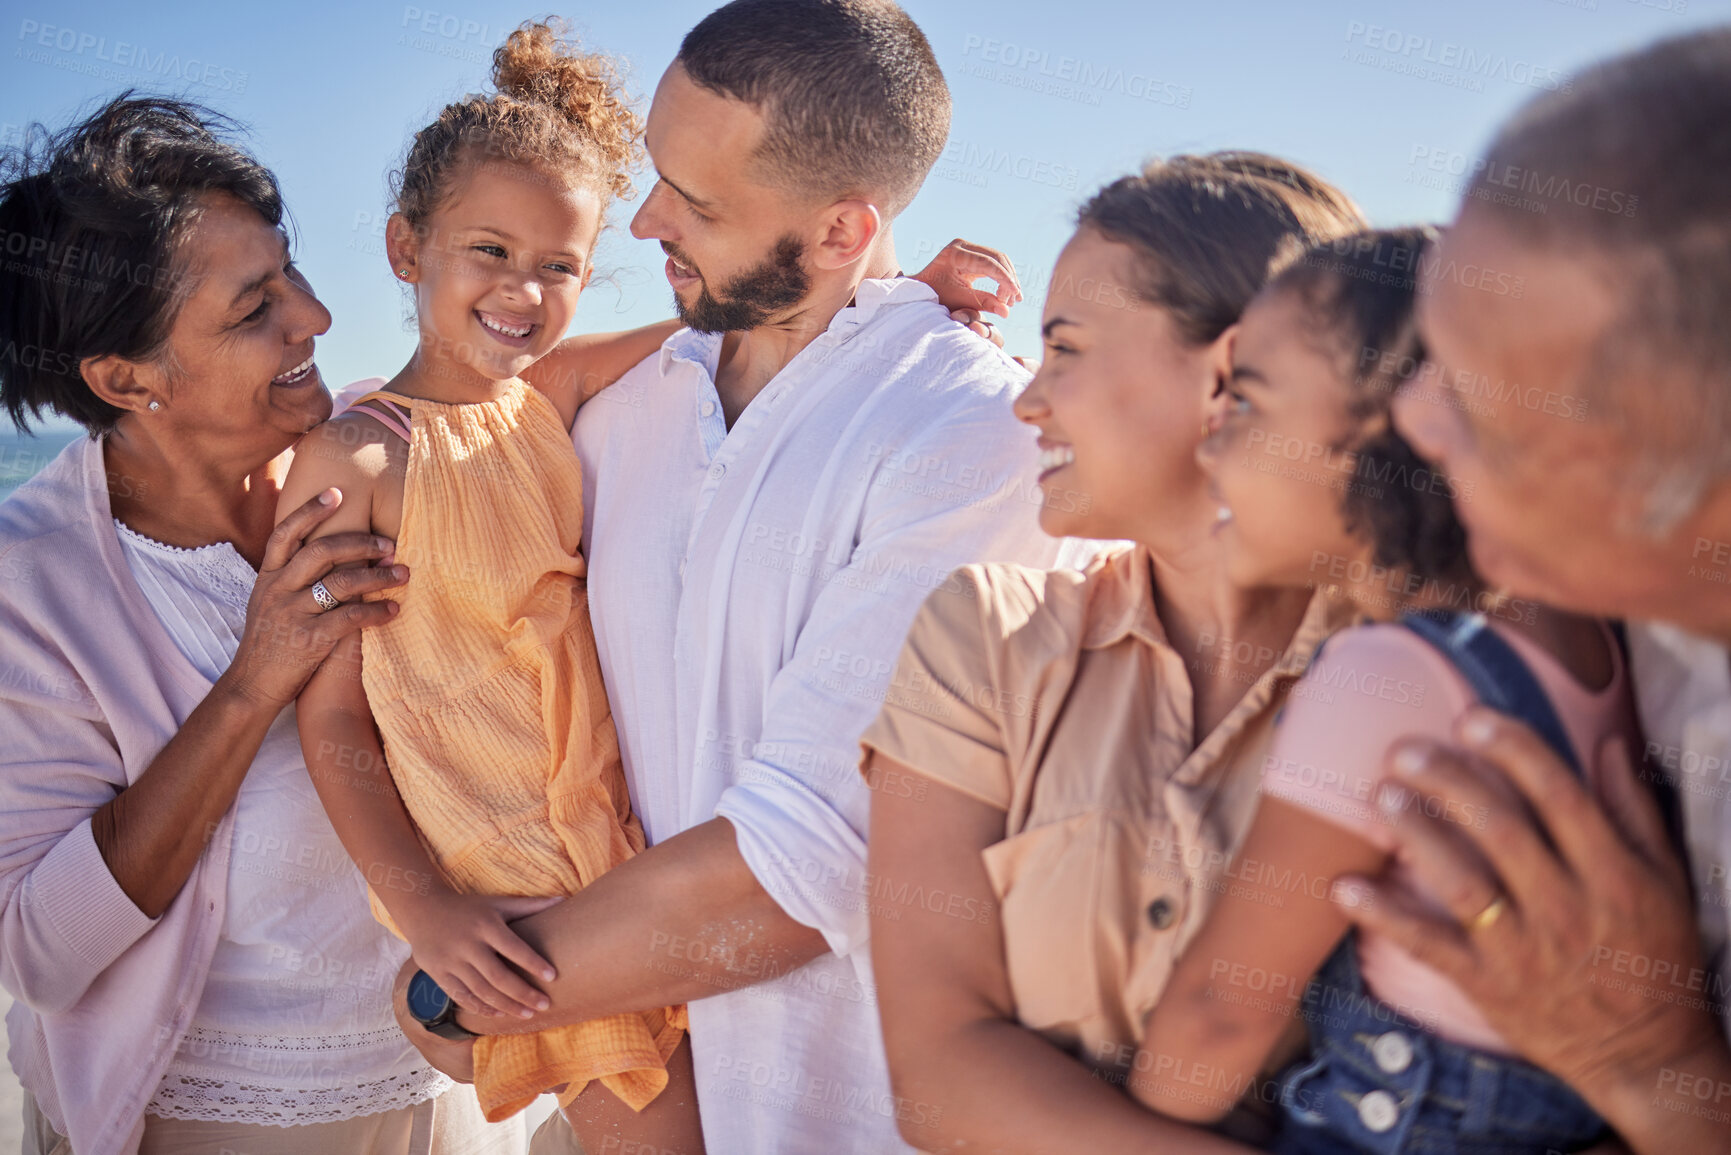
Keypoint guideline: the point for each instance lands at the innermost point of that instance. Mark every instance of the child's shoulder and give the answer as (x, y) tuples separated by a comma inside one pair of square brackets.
[(358, 442), (358, 453), (1387, 649), (1373, 678)]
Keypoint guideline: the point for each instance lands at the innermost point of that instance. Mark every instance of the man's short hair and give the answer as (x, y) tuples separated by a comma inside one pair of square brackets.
[(854, 101), (1632, 164)]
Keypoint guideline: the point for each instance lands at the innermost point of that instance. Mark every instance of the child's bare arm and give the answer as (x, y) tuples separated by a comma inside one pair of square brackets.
[(580, 367), (461, 940), (1214, 1018)]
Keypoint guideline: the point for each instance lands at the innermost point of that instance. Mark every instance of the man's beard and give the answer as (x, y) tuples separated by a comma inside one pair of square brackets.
[(751, 298)]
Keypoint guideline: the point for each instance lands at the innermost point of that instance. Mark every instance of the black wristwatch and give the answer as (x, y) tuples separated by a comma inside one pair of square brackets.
[(430, 1006)]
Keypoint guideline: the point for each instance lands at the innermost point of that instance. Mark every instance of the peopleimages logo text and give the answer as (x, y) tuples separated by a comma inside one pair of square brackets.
[(1085, 75), (70, 42), (1460, 57)]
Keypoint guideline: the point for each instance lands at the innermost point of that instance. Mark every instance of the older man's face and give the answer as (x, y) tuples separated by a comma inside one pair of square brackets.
[(735, 245), (1548, 491)]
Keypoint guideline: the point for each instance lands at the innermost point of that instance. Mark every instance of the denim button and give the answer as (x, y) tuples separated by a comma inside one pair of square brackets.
[(1378, 1111), (1160, 913), (1392, 1052)]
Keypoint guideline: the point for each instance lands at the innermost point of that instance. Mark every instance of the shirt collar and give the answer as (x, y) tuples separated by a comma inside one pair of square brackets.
[(872, 295), (1124, 602), (693, 347), (1124, 607), (875, 293)]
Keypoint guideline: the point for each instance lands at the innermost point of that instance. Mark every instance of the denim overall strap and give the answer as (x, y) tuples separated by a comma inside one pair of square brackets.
[(1497, 675)]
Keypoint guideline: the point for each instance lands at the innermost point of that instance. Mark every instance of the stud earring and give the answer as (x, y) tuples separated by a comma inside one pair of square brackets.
[(403, 273), (155, 405)]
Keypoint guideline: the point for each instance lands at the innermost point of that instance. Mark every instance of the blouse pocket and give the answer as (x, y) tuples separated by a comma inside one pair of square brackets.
[(1047, 885)]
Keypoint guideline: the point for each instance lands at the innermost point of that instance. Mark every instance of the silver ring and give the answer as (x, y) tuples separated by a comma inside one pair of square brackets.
[(323, 596)]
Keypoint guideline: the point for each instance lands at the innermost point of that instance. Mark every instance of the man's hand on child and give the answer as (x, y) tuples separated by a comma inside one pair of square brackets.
[(462, 942)]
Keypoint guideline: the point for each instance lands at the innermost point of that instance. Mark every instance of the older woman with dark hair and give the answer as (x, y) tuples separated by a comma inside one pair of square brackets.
[(191, 952)]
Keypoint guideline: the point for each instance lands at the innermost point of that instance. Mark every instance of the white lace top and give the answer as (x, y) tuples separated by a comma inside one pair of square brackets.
[(294, 1025)]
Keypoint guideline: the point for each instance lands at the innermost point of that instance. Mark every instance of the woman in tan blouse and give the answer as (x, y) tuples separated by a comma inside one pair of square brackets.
[(1065, 762)]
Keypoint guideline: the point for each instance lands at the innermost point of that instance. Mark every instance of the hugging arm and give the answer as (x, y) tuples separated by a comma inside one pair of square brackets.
[(580, 367), (1206, 1019), (973, 1077), (95, 855)]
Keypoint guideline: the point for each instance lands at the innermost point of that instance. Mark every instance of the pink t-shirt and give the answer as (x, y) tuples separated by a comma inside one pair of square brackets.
[(1371, 686)]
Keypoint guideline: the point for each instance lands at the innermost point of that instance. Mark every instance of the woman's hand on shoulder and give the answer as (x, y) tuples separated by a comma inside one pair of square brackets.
[(323, 535)]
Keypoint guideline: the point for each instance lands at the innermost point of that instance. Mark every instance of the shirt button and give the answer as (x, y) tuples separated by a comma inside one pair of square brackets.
[(707, 409), (1160, 913), (1392, 1052), (1378, 1111), (716, 470)]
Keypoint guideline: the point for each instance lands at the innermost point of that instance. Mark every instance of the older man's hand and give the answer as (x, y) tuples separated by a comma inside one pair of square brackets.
[(1591, 966), (455, 1057)]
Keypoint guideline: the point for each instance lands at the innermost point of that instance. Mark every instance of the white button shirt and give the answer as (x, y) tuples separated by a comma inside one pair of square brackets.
[(1683, 689), (750, 590)]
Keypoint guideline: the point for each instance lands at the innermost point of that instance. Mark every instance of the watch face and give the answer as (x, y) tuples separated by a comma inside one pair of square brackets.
[(427, 999)]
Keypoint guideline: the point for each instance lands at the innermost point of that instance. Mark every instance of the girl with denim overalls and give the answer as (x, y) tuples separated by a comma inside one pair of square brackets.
[(1318, 488)]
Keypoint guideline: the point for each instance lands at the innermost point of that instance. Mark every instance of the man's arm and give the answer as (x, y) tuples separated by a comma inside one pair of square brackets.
[(684, 920), (1594, 898)]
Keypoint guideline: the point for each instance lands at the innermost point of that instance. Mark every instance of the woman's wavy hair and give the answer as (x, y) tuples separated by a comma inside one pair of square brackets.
[(91, 221)]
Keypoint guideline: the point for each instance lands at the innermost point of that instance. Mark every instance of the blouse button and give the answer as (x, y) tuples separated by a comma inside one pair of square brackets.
[(707, 409), (1160, 913)]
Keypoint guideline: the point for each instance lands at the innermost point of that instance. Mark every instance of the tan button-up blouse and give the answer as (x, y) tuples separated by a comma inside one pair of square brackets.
[(1056, 697)]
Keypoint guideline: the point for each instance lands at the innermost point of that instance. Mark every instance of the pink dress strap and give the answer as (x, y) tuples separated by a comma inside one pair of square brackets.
[(382, 407)]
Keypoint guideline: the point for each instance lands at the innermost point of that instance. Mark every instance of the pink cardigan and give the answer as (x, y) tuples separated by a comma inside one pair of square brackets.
[(91, 688)]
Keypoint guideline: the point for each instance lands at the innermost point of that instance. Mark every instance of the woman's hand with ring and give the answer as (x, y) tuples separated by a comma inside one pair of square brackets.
[(325, 598), (288, 631)]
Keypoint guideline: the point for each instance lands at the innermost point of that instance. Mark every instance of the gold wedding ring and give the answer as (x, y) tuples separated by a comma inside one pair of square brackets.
[(1489, 914)]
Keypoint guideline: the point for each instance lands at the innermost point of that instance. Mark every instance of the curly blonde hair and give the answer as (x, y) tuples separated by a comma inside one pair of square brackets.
[(556, 109)]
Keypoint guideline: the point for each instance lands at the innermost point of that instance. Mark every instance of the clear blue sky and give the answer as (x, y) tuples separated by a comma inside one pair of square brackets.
[(1051, 100)]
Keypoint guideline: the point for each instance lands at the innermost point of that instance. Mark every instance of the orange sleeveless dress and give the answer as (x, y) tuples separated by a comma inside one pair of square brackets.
[(487, 692)]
